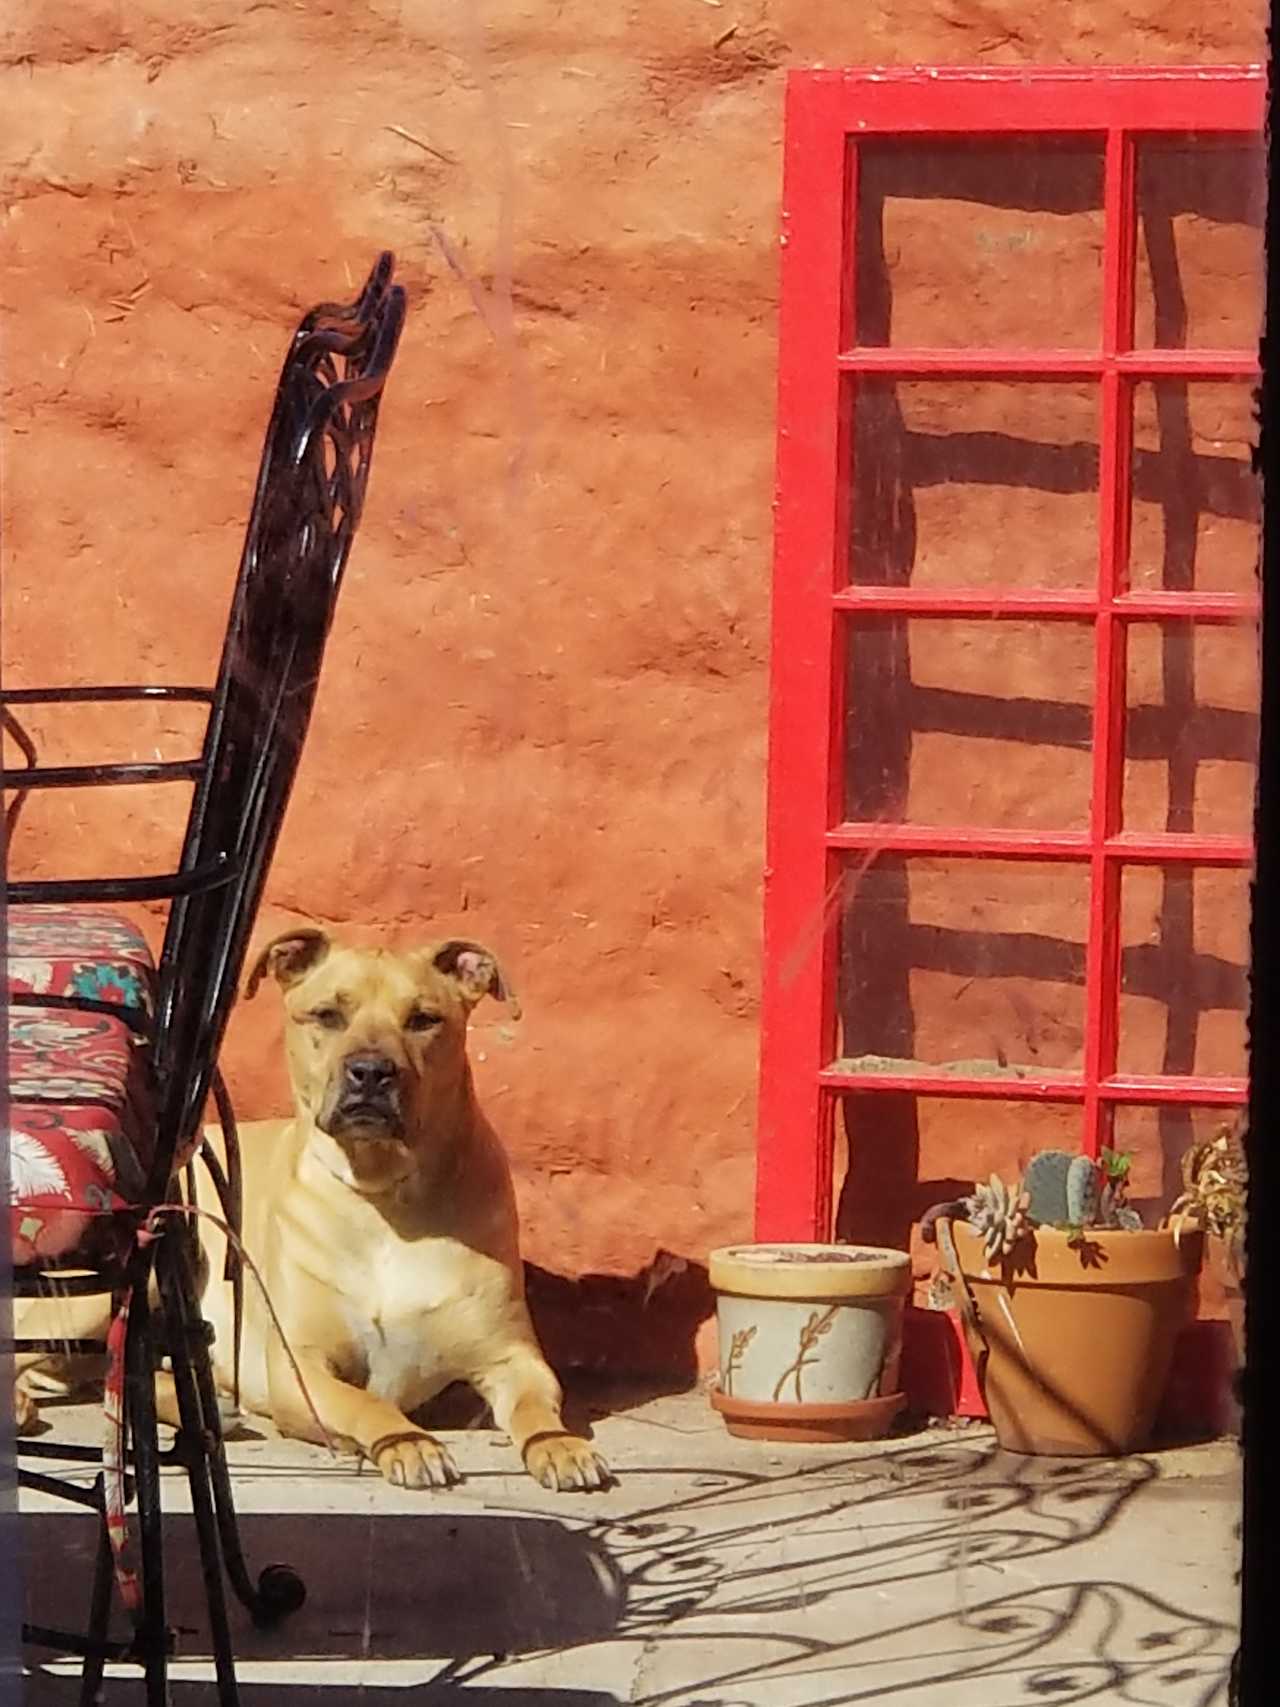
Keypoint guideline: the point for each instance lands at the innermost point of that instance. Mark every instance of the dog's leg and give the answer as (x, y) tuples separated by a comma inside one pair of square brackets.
[(169, 1412), (26, 1413), (56, 1316), (407, 1456), (525, 1399), (53, 1374)]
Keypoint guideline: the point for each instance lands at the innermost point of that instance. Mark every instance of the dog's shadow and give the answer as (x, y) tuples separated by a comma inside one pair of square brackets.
[(423, 1584)]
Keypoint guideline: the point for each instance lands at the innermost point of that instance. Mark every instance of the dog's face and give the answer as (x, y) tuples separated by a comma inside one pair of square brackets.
[(376, 1041)]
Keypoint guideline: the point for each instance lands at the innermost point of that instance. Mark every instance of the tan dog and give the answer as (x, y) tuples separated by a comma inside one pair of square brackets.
[(383, 1222)]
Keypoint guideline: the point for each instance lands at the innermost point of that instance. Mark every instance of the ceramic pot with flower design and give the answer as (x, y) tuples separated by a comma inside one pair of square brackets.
[(810, 1339)]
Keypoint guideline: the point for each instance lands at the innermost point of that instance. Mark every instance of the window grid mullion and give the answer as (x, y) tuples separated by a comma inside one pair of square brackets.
[(1102, 952)]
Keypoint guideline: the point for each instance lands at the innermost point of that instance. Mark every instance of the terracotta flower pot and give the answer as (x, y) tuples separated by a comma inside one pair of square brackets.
[(1074, 1344), (810, 1340)]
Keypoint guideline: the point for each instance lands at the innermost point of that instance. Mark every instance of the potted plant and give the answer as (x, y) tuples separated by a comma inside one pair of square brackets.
[(1071, 1308), (810, 1340)]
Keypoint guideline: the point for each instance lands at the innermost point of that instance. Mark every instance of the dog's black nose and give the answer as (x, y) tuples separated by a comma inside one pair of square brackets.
[(367, 1075)]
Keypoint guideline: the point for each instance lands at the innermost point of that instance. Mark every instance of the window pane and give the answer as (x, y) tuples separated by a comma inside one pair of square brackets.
[(1184, 971), (978, 964), (905, 1153), (1192, 730), (958, 483), (980, 244), (1195, 506), (969, 723), (1199, 273)]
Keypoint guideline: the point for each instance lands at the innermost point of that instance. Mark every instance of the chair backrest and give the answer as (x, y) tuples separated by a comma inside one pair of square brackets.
[(306, 508)]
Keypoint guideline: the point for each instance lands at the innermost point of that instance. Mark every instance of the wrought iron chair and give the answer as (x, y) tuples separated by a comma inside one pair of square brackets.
[(112, 1063)]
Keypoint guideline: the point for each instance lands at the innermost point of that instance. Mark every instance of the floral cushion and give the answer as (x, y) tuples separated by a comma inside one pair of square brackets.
[(80, 1126), (79, 951)]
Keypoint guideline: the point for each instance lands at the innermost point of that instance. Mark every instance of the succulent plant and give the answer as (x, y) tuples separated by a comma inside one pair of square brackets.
[(998, 1214), (1113, 1211), (1059, 1189), (1044, 1182), (1076, 1192), (1115, 1164), (1215, 1179), (1084, 1190), (1113, 1205)]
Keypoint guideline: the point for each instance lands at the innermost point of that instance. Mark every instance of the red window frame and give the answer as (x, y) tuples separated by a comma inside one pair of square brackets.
[(828, 113)]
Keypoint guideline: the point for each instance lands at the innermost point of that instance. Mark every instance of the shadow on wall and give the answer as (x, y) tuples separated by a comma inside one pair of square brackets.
[(641, 1327), (1194, 519)]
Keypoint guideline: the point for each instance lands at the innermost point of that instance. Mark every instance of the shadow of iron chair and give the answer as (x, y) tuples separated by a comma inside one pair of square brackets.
[(112, 1058)]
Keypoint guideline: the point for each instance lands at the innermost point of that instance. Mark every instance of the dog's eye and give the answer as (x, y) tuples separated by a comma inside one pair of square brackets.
[(422, 1021), (332, 1019)]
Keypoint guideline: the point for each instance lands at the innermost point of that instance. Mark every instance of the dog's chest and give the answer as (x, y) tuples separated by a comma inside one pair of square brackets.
[(422, 1320), (400, 1363)]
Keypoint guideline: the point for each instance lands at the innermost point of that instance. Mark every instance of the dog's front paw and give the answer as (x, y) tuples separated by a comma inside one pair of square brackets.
[(566, 1464), (414, 1461), (26, 1413)]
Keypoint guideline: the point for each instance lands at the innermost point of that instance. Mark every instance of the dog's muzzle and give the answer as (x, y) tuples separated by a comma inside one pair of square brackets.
[(368, 1097)]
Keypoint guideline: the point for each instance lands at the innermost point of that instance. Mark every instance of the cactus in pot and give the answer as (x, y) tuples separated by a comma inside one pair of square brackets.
[(1073, 1194), (1045, 1276), (1062, 1190), (1044, 1180)]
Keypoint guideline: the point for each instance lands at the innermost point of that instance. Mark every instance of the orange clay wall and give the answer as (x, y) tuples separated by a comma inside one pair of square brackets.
[(543, 712)]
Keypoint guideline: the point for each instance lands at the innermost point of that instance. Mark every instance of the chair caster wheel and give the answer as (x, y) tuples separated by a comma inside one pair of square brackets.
[(281, 1592)]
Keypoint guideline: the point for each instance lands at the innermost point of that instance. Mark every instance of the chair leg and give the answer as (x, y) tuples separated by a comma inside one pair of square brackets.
[(279, 1590), (152, 1640), (99, 1611), (184, 1337)]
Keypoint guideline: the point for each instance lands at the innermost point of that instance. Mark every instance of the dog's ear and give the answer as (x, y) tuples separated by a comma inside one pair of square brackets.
[(287, 957), (475, 971)]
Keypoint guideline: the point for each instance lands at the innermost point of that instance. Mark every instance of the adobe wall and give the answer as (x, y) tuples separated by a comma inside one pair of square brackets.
[(543, 711)]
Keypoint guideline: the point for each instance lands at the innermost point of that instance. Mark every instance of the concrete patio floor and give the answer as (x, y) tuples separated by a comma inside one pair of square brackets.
[(930, 1570)]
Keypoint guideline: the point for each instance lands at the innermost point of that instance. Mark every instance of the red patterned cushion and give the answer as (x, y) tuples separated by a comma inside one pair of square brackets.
[(80, 1126), (79, 951)]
